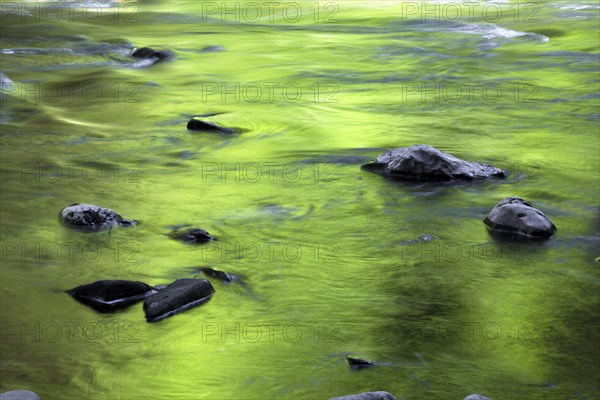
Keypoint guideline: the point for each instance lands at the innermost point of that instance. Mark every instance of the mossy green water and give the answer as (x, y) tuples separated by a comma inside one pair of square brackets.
[(315, 239)]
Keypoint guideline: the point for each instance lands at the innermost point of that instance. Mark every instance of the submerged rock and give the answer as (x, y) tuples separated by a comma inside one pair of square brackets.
[(110, 295), (423, 238), (222, 275), (380, 395), (212, 49), (422, 162), (191, 235), (476, 397), (195, 124), (355, 362), (88, 217), (177, 297), (147, 53), (512, 216), (19, 395)]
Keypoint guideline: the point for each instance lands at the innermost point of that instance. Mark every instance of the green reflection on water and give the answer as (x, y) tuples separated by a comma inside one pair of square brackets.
[(314, 238)]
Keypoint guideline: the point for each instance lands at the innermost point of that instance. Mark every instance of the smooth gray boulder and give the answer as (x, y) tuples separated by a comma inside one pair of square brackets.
[(88, 217), (379, 395), (179, 296), (19, 395), (423, 162), (110, 295), (513, 217), (476, 397)]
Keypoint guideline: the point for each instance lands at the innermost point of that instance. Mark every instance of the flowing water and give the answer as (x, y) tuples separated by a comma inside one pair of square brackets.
[(317, 242)]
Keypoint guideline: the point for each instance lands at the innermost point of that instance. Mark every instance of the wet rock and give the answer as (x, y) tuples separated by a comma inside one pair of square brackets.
[(191, 235), (5, 82), (423, 238), (88, 217), (19, 395), (110, 295), (380, 395), (179, 296), (212, 49), (513, 217), (422, 162), (476, 397), (147, 53), (355, 362), (222, 275), (195, 124)]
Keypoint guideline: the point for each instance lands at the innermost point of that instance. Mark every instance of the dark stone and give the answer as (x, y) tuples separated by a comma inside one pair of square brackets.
[(110, 295), (359, 362), (88, 217), (513, 217), (380, 395), (422, 162), (476, 397), (423, 238), (177, 297), (191, 235), (222, 275), (146, 53), (206, 126), (19, 395)]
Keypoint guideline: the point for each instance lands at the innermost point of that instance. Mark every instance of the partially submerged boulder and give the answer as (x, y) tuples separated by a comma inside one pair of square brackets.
[(356, 362), (147, 53), (195, 124), (88, 217), (423, 162), (476, 397), (110, 295), (191, 235), (221, 275), (179, 296), (379, 395), (513, 217)]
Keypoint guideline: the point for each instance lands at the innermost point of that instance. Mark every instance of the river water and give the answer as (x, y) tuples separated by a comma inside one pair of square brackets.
[(316, 89)]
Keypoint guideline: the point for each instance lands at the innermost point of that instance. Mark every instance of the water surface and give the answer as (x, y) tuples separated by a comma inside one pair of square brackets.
[(316, 240)]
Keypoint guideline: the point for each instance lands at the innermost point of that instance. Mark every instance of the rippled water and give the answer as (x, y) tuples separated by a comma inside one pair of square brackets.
[(316, 240)]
